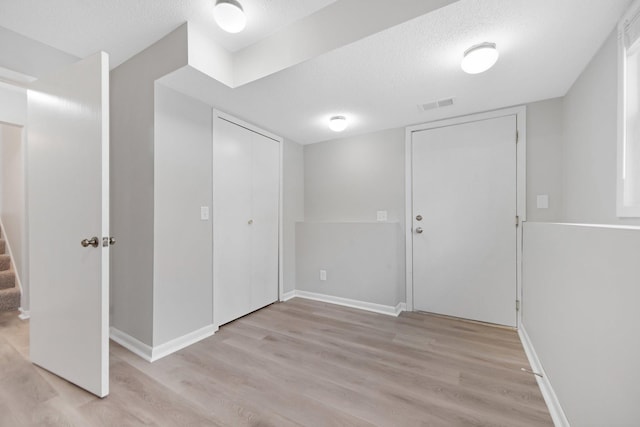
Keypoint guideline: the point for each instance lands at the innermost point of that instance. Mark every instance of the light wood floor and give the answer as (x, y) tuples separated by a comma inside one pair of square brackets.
[(296, 363)]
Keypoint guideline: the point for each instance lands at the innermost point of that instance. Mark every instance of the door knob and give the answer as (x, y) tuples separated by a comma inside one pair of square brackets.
[(419, 218), (419, 230), (250, 222), (90, 242)]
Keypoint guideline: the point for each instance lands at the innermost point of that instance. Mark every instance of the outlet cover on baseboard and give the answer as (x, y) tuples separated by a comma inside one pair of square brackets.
[(323, 275)]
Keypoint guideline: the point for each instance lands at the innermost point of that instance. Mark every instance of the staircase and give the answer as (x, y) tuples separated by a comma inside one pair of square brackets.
[(9, 292)]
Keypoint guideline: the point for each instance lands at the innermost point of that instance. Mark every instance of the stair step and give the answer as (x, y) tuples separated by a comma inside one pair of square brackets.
[(5, 262), (3, 246), (9, 299), (7, 279)]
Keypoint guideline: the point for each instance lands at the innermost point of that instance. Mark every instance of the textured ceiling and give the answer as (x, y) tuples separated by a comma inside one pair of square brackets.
[(122, 28), (379, 81)]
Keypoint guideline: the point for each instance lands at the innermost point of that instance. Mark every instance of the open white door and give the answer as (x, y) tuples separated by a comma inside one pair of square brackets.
[(68, 201)]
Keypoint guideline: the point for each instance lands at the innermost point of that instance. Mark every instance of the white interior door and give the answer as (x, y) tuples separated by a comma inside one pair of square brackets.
[(245, 220), (68, 200), (464, 210)]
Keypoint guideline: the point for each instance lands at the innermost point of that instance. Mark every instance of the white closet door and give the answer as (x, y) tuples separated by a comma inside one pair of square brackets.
[(264, 232), (232, 189), (246, 183)]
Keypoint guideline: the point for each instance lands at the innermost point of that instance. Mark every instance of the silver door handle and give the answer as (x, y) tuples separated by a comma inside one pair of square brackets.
[(90, 242), (419, 230)]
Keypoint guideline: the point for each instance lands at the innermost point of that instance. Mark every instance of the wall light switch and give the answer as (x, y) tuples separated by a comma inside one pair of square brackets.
[(323, 275), (543, 201), (204, 213), (382, 215)]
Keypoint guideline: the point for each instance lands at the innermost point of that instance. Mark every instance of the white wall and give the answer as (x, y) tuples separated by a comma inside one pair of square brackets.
[(293, 207), (580, 310), (182, 290), (13, 104), (132, 182), (590, 142)]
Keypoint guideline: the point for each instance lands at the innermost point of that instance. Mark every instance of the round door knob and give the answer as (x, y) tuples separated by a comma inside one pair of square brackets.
[(419, 218), (419, 230), (250, 222), (90, 242)]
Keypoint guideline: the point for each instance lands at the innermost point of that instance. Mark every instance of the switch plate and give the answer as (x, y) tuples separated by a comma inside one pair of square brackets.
[(323, 275), (382, 215), (204, 213), (542, 201)]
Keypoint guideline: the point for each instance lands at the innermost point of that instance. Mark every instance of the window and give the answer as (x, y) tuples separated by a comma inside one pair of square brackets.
[(628, 195)]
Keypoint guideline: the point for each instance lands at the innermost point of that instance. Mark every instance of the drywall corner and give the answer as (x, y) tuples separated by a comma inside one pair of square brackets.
[(131, 152)]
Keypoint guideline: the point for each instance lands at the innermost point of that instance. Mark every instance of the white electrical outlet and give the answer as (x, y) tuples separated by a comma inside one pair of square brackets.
[(382, 215), (204, 213), (323, 275)]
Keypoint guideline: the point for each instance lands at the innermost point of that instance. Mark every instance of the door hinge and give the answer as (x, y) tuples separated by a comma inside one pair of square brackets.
[(517, 221), (517, 305)]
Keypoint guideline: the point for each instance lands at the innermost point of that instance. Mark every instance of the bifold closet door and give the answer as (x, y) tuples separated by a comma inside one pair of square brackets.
[(245, 220)]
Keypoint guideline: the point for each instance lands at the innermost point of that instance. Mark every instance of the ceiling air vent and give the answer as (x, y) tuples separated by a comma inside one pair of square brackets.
[(436, 104)]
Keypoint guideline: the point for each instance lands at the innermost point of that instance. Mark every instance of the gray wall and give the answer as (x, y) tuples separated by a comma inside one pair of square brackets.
[(580, 312), (350, 179), (293, 207), (590, 142), (132, 186), (182, 291), (544, 159), (346, 182)]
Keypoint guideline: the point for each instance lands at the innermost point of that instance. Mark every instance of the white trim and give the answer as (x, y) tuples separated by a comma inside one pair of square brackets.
[(179, 343), (551, 399), (287, 296), (130, 343), (151, 354), (24, 314), (388, 310), (521, 209)]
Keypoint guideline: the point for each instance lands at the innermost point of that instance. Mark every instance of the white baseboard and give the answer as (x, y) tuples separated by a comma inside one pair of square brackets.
[(179, 343), (287, 296), (130, 343), (24, 314), (151, 354), (555, 409), (362, 305)]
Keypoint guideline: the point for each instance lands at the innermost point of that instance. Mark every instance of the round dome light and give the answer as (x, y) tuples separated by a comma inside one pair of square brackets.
[(230, 16), (338, 123), (479, 58)]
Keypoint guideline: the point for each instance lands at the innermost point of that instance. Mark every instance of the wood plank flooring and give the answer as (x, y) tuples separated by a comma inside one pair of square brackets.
[(299, 363)]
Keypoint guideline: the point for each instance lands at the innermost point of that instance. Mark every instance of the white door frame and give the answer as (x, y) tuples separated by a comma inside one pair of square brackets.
[(280, 141), (521, 196)]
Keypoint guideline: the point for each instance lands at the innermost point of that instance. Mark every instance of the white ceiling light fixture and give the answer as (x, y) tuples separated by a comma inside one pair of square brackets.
[(479, 58), (229, 15), (338, 123)]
